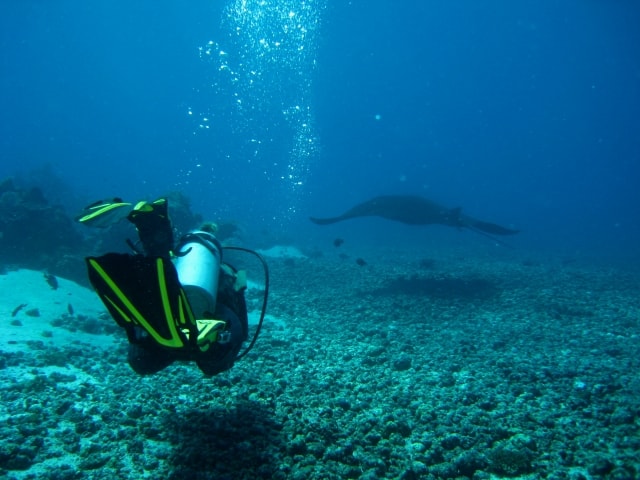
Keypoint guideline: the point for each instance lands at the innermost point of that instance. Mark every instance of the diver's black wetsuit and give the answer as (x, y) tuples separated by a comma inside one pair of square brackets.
[(147, 357)]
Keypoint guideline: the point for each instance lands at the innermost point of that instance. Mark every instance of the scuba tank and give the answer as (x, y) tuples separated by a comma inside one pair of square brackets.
[(198, 257), (197, 261)]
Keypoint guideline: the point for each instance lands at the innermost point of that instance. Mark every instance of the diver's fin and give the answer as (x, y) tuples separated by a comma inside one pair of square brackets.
[(210, 331), (145, 292), (103, 214)]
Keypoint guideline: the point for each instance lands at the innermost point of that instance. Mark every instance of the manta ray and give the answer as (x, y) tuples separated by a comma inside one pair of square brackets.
[(415, 210)]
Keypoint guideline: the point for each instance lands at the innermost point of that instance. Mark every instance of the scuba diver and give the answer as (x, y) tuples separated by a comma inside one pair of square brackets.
[(176, 302)]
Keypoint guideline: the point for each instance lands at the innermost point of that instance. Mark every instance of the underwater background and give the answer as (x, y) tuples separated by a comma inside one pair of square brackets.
[(264, 112), (267, 112)]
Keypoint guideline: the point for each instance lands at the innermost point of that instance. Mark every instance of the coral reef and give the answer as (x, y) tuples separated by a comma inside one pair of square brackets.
[(356, 375), (35, 234)]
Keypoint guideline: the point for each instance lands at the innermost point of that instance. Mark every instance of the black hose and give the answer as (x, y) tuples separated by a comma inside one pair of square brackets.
[(264, 300)]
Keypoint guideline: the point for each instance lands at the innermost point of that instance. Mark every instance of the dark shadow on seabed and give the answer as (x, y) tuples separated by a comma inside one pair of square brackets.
[(444, 288), (214, 442)]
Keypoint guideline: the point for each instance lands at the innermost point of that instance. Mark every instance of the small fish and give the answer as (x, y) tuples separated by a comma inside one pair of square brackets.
[(361, 262), (51, 280), (70, 309), (17, 309), (338, 241)]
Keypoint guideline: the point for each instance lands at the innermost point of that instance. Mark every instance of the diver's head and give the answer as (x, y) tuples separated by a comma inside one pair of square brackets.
[(209, 227)]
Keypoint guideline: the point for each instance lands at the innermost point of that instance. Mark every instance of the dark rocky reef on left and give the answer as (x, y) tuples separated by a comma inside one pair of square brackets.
[(39, 235), (36, 234)]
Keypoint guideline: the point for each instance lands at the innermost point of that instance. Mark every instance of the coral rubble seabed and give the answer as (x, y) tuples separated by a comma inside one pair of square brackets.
[(467, 369)]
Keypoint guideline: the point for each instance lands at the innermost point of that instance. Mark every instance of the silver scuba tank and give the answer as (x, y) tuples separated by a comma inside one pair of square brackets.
[(197, 261)]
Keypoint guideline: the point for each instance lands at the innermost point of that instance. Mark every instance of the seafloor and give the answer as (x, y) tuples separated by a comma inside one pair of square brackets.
[(456, 366)]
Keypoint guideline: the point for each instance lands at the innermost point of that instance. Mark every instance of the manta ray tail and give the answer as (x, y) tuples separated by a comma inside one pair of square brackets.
[(325, 221), (492, 228), (485, 234)]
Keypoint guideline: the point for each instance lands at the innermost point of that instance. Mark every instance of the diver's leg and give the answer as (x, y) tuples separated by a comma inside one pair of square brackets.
[(146, 359), (154, 227), (221, 356)]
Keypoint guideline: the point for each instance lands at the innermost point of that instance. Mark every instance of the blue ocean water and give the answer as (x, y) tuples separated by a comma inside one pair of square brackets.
[(266, 112)]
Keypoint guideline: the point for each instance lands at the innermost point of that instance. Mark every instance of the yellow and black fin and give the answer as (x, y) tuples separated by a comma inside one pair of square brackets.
[(103, 214), (145, 292)]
